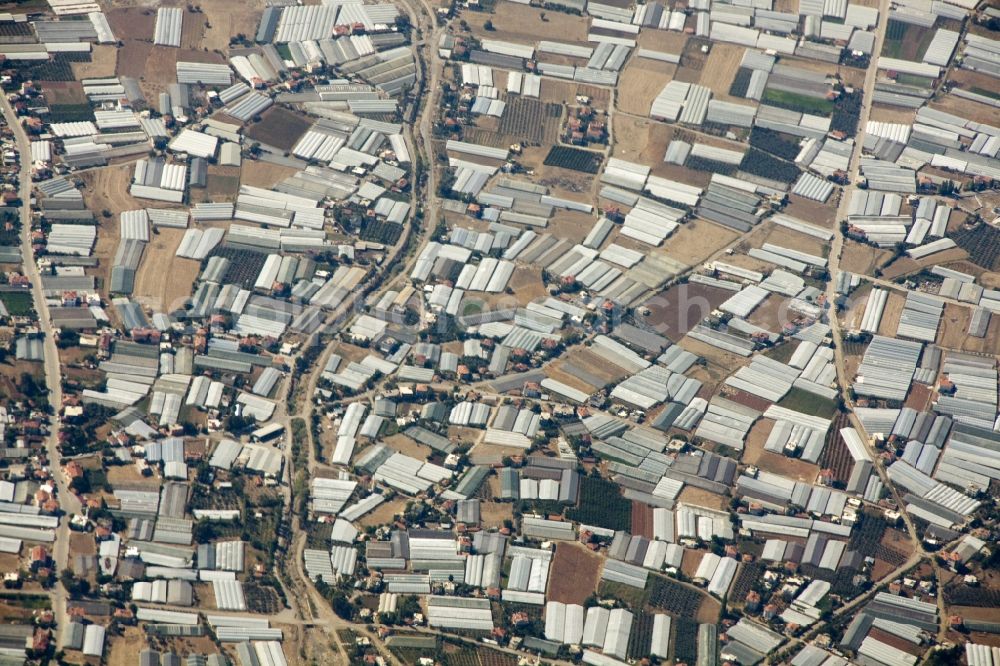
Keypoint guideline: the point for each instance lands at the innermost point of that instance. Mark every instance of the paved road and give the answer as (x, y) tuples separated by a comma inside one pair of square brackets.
[(920, 554), (68, 502)]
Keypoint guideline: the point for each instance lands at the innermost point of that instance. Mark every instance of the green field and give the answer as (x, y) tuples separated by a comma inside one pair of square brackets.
[(809, 403), (797, 102), (602, 504), (995, 94), (18, 303)]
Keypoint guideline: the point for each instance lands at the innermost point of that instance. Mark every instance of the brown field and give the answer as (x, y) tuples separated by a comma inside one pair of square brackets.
[(697, 240), (862, 259), (642, 519), (679, 309), (64, 92), (264, 174), (575, 572), (133, 23), (771, 314), (641, 82), (222, 184), (103, 61), (692, 558), (151, 289), (720, 69), (279, 127), (824, 215), (890, 316), (693, 60), (193, 31), (132, 58), (523, 24), (662, 40), (920, 397), (754, 454)]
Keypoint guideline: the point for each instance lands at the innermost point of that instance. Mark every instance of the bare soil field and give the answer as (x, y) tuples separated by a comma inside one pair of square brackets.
[(892, 114), (693, 496), (524, 24), (193, 30), (576, 181), (103, 61), (721, 363), (383, 513), (771, 314), (967, 108), (570, 225), (226, 19), (222, 184), (890, 315), (64, 92), (855, 310), (641, 82), (123, 649), (640, 139), (697, 240), (662, 40), (754, 454), (772, 233), (493, 514), (407, 446), (850, 75), (693, 60), (559, 92), (575, 572), (720, 69), (680, 308), (862, 259), (160, 68), (151, 289), (107, 189), (264, 174), (279, 127), (566, 378), (814, 212)]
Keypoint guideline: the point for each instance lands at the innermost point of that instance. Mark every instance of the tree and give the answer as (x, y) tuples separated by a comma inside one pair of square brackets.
[(342, 607), (488, 25)]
